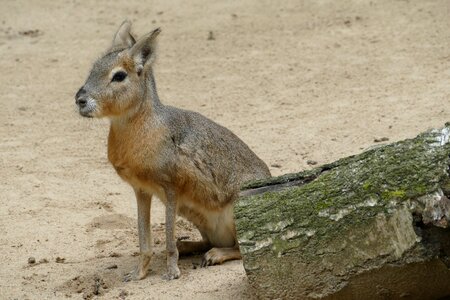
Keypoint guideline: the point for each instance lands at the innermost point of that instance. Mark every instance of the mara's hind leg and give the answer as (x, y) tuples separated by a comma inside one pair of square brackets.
[(223, 239), (218, 236), (194, 247), (217, 256)]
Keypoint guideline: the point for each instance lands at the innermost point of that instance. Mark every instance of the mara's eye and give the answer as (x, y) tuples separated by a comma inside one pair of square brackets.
[(119, 76)]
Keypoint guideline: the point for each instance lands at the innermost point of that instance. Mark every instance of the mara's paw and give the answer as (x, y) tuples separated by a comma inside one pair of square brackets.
[(212, 257), (141, 270), (136, 274), (173, 272), (217, 256)]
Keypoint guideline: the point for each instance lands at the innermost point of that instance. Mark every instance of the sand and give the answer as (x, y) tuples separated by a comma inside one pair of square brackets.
[(302, 82)]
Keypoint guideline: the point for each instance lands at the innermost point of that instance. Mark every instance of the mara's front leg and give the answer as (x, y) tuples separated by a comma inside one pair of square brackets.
[(144, 202), (173, 272)]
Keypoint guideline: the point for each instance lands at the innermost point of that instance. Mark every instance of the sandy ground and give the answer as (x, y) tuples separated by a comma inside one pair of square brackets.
[(298, 81)]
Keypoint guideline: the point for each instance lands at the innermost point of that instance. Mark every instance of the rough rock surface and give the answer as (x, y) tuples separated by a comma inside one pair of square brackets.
[(370, 226)]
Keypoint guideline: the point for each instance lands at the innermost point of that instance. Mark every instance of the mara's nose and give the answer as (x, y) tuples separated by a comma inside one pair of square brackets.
[(80, 98)]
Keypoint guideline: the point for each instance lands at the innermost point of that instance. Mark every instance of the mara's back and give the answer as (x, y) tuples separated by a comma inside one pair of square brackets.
[(211, 155)]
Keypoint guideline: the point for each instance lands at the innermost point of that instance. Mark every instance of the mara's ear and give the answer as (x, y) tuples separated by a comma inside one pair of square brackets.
[(143, 52), (123, 37)]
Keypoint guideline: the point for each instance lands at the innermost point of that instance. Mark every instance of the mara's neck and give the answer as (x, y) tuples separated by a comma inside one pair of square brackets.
[(148, 105)]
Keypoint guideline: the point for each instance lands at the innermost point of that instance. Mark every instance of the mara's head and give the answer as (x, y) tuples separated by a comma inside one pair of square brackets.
[(117, 81)]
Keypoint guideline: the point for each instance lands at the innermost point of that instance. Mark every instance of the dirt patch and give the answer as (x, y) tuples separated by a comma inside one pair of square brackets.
[(90, 286)]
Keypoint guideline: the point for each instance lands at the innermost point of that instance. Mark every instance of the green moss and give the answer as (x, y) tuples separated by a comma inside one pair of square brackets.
[(367, 186), (281, 246), (446, 185), (391, 195)]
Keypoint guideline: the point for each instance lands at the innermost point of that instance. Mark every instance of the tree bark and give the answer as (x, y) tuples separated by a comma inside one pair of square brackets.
[(369, 226)]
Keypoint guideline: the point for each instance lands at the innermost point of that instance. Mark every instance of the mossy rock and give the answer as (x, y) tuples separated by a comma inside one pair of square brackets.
[(315, 234)]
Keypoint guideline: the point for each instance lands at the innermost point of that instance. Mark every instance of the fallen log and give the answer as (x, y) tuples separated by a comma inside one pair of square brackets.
[(369, 226)]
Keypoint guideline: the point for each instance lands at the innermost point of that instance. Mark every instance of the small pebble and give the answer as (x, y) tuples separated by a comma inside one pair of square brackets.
[(211, 36), (114, 266), (31, 260), (383, 139), (31, 32), (123, 294), (60, 260), (275, 165), (311, 162)]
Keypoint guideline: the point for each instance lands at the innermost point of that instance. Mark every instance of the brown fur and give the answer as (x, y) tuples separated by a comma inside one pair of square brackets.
[(192, 164)]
